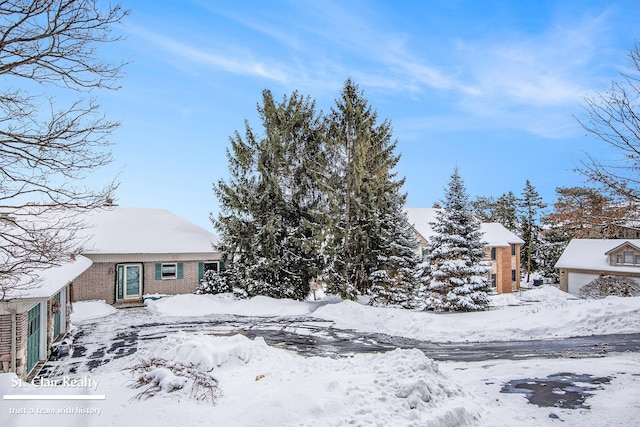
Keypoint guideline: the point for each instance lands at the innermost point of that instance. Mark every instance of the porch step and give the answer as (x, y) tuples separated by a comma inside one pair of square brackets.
[(35, 370), (129, 304)]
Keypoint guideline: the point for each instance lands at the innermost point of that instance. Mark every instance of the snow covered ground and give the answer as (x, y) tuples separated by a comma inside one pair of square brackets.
[(267, 386)]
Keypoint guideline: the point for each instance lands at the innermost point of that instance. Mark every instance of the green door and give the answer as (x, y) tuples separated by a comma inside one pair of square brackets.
[(33, 337), (128, 281)]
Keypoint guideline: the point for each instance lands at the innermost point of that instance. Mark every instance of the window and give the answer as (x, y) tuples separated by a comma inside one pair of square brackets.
[(493, 281), (217, 266), (208, 266), (628, 257), (513, 250), (493, 253), (169, 271), (513, 275), (166, 271)]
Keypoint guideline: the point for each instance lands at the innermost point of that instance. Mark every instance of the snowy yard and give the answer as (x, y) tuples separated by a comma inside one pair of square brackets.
[(262, 385)]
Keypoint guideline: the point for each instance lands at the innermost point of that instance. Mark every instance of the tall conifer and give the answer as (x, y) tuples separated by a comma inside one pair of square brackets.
[(270, 206), (364, 194)]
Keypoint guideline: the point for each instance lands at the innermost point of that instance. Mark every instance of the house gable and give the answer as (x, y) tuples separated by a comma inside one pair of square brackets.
[(626, 254)]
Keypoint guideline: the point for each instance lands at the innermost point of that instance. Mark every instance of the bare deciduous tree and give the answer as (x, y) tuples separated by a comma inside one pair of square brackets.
[(47, 146), (614, 117)]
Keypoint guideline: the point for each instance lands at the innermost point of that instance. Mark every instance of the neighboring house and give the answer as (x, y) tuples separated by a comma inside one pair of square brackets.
[(584, 260), (34, 318), (137, 252), (502, 249)]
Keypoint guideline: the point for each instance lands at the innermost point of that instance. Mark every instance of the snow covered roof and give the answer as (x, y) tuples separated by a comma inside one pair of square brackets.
[(51, 280), (121, 230), (495, 234), (591, 254)]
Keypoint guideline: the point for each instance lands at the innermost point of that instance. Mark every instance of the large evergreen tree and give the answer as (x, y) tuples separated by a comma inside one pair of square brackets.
[(364, 195), (317, 198), (396, 281), (270, 218), (455, 255)]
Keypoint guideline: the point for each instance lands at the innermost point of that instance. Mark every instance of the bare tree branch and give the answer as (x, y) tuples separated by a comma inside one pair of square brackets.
[(47, 148), (614, 118)]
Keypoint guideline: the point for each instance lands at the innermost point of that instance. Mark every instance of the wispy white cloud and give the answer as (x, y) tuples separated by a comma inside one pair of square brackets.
[(224, 59), (544, 70), (523, 79)]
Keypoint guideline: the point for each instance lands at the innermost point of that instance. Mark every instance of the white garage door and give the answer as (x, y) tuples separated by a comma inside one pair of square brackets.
[(578, 280)]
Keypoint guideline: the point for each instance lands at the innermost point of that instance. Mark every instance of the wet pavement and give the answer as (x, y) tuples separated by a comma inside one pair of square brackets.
[(98, 342), (563, 390)]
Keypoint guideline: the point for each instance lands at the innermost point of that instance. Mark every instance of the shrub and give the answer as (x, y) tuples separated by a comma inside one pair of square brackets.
[(610, 286), (213, 283)]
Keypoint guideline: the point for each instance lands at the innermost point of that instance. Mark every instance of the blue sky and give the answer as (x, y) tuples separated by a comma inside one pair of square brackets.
[(491, 87)]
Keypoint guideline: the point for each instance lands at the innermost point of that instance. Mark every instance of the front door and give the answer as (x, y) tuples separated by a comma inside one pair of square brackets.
[(129, 281), (33, 337)]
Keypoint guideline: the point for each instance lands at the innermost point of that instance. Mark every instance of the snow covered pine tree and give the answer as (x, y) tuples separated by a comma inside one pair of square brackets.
[(455, 255)]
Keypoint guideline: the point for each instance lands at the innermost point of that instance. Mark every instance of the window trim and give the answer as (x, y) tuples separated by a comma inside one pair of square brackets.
[(621, 258), (179, 271), (164, 276)]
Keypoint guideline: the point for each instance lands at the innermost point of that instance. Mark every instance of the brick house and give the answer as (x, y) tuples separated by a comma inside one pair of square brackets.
[(137, 252), (584, 260), (502, 248), (34, 319)]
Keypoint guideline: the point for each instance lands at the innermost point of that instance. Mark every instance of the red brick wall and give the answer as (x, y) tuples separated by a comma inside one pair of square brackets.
[(98, 282)]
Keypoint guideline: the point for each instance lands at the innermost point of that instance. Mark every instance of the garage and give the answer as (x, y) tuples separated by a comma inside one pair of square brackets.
[(578, 280)]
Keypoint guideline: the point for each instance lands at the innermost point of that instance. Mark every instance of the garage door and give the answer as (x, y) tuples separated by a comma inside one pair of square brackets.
[(33, 337), (578, 280)]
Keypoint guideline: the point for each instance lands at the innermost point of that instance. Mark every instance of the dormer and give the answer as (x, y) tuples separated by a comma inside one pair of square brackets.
[(626, 254)]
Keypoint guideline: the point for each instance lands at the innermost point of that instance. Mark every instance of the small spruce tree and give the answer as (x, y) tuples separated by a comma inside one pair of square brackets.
[(455, 255)]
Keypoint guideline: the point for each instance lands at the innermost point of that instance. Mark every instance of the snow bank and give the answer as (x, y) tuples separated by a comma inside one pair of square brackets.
[(539, 313), (203, 305), (547, 313), (260, 384), (84, 310)]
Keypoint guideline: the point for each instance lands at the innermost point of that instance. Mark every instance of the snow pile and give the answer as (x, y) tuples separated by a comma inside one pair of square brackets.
[(84, 310), (203, 305), (208, 353), (542, 314), (260, 383), (545, 294)]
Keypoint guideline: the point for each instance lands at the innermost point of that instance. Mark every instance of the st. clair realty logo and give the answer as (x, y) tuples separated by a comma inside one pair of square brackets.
[(64, 382)]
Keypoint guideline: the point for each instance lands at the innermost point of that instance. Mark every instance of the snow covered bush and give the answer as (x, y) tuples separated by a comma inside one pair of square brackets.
[(158, 375), (213, 283), (610, 286)]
